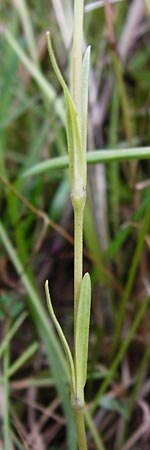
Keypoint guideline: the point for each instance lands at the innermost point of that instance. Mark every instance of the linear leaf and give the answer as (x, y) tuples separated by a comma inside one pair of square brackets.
[(93, 157), (21, 360), (44, 85), (82, 334), (52, 346), (61, 335), (17, 324), (76, 160)]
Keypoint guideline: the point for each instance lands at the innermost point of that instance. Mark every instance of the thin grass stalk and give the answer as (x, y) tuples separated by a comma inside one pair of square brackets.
[(11, 332), (134, 395), (123, 98), (114, 168), (131, 278), (43, 84), (94, 432), (54, 352), (119, 74), (20, 361), (122, 350), (7, 444), (22, 8), (93, 157)]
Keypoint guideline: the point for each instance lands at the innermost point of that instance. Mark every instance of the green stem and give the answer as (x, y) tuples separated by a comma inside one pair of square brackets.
[(6, 399), (124, 99), (77, 57), (78, 198), (78, 193), (80, 425), (78, 250)]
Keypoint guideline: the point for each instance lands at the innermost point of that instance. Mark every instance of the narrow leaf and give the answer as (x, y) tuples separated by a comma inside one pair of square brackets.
[(52, 346), (27, 354), (17, 324), (58, 73), (111, 404), (61, 336), (93, 157), (82, 334), (85, 82), (46, 88), (76, 160)]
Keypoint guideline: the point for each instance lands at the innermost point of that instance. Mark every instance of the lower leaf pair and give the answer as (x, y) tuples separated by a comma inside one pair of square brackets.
[(78, 365)]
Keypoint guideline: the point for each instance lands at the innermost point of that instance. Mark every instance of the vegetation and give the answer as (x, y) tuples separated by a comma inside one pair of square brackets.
[(36, 226)]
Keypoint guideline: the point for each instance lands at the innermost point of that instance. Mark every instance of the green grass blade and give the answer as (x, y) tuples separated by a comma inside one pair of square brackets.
[(93, 157), (43, 84), (7, 442), (94, 431), (12, 331), (12, 115), (113, 173), (7, 77), (28, 353), (52, 346), (131, 277), (124, 233), (123, 348), (135, 392), (34, 300), (21, 6)]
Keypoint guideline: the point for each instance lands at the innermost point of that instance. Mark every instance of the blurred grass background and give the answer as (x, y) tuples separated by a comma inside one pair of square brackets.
[(36, 228)]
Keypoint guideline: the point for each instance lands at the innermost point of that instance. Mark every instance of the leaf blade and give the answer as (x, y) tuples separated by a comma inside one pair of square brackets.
[(93, 157), (61, 335), (82, 335), (76, 157)]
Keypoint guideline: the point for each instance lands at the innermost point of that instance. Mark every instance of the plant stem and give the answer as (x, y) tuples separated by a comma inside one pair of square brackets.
[(6, 397), (80, 425), (78, 254), (124, 98), (78, 194), (77, 57), (78, 201)]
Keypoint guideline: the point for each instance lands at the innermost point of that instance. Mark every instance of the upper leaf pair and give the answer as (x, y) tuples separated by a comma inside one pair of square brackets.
[(76, 139)]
